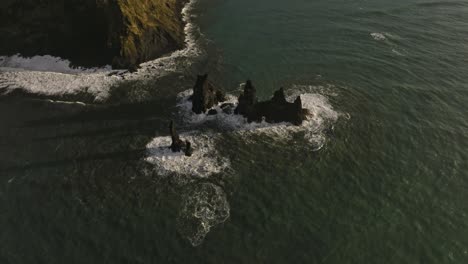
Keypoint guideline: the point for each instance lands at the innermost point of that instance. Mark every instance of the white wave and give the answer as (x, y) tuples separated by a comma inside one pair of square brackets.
[(51, 83), (45, 63), (378, 36), (204, 162), (203, 207), (49, 75)]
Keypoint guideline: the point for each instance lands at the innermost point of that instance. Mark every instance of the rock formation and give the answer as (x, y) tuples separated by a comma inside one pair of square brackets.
[(179, 145), (276, 110), (92, 32), (188, 149), (205, 95), (247, 100)]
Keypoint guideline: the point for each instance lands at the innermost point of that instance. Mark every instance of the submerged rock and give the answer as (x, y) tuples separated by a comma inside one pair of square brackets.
[(276, 110), (205, 95), (179, 145), (92, 32)]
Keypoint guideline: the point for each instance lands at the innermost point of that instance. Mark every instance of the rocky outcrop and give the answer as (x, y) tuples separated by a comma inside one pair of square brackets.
[(206, 95), (123, 33), (276, 110), (179, 145), (247, 100)]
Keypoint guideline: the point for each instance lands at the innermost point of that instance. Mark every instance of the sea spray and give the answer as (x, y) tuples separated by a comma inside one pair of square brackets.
[(204, 162)]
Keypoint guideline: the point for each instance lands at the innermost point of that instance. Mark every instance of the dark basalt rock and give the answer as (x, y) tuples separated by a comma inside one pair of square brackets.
[(179, 145), (276, 110), (212, 112), (228, 108), (133, 68), (188, 149), (205, 95), (247, 100)]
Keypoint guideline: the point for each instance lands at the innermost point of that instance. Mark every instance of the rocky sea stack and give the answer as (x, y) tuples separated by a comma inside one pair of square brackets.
[(275, 110), (178, 145), (206, 95), (123, 33)]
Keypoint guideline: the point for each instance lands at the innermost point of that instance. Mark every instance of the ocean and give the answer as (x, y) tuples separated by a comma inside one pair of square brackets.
[(378, 173)]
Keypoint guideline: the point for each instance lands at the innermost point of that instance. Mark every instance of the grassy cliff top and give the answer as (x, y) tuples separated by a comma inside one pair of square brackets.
[(141, 16)]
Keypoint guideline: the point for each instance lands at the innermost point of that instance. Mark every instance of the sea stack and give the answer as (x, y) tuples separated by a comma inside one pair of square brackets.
[(276, 110), (206, 95), (92, 32), (247, 100), (179, 145)]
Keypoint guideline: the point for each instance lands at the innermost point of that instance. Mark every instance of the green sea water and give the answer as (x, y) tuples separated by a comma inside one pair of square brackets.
[(388, 183)]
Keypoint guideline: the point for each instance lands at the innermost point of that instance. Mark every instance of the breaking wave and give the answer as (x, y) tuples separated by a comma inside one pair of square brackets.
[(204, 162), (53, 76)]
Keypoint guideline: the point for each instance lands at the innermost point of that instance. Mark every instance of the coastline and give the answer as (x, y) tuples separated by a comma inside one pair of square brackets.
[(55, 77)]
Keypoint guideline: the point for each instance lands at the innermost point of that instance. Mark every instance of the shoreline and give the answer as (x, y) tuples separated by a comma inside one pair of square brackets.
[(45, 78)]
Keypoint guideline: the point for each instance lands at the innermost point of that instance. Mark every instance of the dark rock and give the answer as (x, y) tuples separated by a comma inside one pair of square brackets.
[(177, 143), (279, 97), (212, 112), (228, 108), (188, 149), (133, 68), (205, 95), (247, 100), (276, 110)]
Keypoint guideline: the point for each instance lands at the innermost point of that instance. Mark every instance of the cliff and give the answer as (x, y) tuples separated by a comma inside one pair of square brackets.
[(123, 33)]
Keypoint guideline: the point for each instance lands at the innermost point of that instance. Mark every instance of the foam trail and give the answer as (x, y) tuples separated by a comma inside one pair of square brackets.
[(204, 206), (53, 76)]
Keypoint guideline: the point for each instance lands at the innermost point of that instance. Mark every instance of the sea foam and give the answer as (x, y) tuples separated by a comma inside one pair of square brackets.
[(378, 36), (205, 205), (204, 162), (46, 63)]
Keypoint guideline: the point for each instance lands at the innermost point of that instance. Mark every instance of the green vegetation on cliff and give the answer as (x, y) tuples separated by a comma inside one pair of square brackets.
[(92, 32), (153, 27)]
